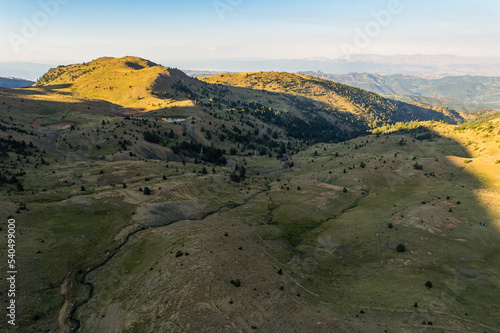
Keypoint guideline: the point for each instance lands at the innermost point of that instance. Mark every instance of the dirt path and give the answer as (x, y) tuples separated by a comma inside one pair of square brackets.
[(63, 311)]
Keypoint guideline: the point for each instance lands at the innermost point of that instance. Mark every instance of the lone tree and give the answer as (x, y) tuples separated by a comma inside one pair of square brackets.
[(147, 191), (400, 248), (428, 284)]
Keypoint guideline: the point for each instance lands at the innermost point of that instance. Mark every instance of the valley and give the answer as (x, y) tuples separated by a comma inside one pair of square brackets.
[(150, 201)]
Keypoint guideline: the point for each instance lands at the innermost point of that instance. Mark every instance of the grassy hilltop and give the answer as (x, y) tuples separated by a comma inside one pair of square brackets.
[(275, 202)]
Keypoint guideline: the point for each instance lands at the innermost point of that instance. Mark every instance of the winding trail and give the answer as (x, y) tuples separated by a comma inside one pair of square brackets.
[(83, 281), (65, 303)]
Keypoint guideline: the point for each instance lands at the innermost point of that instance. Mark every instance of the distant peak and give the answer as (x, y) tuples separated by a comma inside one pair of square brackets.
[(130, 61)]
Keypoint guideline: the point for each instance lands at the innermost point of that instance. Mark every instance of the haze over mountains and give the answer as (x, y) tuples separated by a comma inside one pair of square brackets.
[(434, 65), (25, 70)]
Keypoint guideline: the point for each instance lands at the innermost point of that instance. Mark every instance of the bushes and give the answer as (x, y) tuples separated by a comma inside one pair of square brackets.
[(236, 283)]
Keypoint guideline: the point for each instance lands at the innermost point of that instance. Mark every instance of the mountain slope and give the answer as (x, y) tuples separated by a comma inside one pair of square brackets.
[(270, 106), (465, 93), (127, 81), (368, 107)]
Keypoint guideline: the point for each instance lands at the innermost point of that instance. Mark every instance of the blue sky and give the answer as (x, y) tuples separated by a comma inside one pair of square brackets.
[(62, 31)]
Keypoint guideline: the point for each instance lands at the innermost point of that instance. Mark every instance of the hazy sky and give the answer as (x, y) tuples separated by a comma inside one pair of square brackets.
[(62, 31)]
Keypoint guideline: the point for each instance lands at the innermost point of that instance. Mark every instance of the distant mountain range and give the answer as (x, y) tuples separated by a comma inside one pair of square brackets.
[(202, 73), (462, 93), (12, 82), (25, 70), (435, 65)]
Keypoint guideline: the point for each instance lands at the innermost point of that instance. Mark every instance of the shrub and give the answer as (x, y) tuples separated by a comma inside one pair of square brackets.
[(400, 248), (147, 191), (428, 284), (236, 283)]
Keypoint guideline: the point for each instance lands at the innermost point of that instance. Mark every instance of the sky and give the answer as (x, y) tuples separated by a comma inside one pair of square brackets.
[(69, 31)]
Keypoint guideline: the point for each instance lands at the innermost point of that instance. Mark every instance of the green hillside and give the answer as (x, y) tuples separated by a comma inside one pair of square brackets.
[(369, 108), (252, 202)]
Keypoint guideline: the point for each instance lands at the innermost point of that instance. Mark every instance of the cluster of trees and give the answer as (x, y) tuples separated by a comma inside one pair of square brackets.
[(199, 151), (238, 174), (11, 145), (315, 129), (4, 180)]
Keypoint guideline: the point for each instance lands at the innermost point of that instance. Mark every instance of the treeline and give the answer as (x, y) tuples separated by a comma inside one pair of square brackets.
[(11, 145)]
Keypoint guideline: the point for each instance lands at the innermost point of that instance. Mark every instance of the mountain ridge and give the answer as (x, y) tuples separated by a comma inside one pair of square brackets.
[(13, 82), (139, 84), (464, 93), (349, 98)]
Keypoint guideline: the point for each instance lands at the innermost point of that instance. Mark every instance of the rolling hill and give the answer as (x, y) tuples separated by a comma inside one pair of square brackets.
[(369, 108), (251, 202), (337, 112)]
